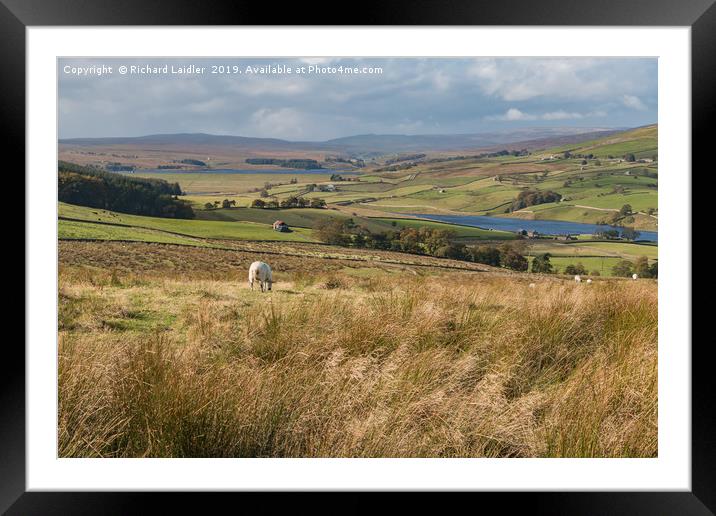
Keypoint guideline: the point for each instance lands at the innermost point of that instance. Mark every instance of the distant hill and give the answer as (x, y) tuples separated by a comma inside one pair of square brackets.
[(360, 144), (641, 141)]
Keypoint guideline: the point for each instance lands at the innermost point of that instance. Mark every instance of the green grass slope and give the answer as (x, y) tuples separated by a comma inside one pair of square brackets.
[(131, 224)]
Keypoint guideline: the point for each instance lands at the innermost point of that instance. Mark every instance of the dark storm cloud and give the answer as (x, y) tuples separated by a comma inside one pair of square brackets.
[(410, 96)]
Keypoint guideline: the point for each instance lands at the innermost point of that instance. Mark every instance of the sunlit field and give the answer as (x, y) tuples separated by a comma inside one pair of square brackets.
[(168, 353)]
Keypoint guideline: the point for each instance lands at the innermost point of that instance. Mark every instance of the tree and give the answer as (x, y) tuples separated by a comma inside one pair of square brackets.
[(290, 202), (630, 233), (318, 203), (542, 264), (625, 210), (258, 203), (512, 259), (331, 231), (532, 197), (208, 206), (641, 267), (654, 270), (95, 188), (454, 251), (380, 240), (409, 241), (434, 239), (226, 203), (575, 269), (487, 254), (629, 157), (264, 193), (624, 268)]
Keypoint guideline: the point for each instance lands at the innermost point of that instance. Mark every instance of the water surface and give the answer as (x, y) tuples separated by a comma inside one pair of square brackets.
[(546, 227)]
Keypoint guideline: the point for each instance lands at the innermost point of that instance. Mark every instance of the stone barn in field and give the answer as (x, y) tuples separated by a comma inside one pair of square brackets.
[(280, 225)]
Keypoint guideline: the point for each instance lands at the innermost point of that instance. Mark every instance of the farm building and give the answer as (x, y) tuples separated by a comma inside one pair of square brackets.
[(280, 225)]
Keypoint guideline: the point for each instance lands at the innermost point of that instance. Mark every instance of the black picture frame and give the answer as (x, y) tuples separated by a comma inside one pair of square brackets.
[(700, 15)]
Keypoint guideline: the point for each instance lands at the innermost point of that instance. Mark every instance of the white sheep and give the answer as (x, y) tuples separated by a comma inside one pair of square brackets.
[(260, 272), (577, 278), (532, 285), (589, 280), (634, 276)]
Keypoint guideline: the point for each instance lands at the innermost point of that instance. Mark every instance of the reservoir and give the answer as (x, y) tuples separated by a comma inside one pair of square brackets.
[(547, 227)]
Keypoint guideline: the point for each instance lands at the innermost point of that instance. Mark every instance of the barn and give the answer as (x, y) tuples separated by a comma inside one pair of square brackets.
[(280, 225)]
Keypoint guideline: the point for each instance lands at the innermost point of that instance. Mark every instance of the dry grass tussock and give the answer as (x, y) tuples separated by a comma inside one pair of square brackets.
[(352, 364)]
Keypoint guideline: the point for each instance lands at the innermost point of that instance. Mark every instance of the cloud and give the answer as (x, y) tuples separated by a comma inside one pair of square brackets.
[(518, 79), (512, 115), (633, 102), (279, 123), (563, 115), (411, 96), (515, 115), (215, 105)]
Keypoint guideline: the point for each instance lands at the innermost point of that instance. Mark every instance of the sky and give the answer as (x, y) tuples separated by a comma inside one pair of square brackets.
[(407, 95)]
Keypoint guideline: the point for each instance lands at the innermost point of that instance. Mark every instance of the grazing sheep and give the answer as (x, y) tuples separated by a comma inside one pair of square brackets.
[(577, 278), (589, 280), (532, 285), (260, 272), (634, 276)]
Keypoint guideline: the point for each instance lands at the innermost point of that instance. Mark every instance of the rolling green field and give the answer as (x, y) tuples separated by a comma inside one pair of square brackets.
[(591, 191), (602, 264), (380, 201), (123, 225), (75, 230)]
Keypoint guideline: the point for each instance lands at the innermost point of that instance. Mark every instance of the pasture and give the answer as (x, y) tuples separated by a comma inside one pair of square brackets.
[(165, 352), (470, 185), (232, 230)]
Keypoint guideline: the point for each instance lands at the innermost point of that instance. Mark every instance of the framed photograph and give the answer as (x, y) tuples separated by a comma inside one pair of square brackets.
[(429, 251)]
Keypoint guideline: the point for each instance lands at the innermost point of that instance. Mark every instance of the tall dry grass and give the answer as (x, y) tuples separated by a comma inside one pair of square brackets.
[(390, 365)]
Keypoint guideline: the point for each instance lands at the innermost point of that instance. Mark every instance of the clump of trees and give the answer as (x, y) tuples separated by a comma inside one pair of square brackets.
[(193, 162), (269, 205), (290, 202), (94, 188), (405, 157), (609, 234), (306, 164), (641, 266), (630, 233), (533, 197), (577, 268), (541, 263), (439, 243)]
